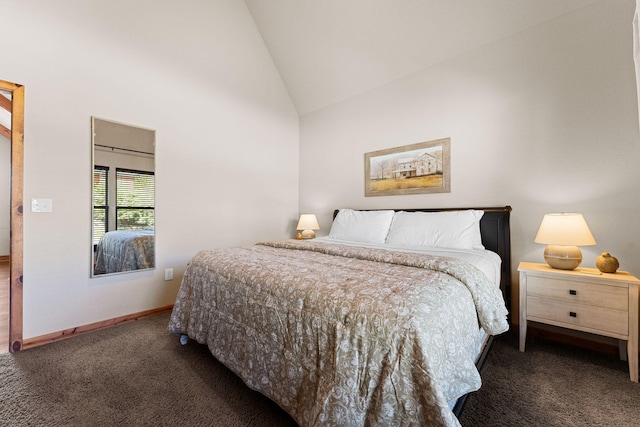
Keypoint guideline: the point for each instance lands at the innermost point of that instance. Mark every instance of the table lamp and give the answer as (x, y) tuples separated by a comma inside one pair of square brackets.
[(563, 233), (308, 223)]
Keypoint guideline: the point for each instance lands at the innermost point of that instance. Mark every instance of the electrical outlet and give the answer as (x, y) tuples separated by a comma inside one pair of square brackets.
[(168, 274)]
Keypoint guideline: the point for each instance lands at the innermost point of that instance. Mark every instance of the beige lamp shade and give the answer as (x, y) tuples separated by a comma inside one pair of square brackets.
[(308, 223), (563, 233)]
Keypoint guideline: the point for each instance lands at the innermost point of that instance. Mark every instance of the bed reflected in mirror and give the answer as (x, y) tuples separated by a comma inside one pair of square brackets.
[(123, 198)]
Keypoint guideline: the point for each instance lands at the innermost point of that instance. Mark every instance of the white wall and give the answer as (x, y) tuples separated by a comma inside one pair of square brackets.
[(227, 140), (544, 121)]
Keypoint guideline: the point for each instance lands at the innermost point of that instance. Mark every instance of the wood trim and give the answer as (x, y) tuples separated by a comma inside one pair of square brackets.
[(4, 131), (79, 330), (5, 103), (17, 189)]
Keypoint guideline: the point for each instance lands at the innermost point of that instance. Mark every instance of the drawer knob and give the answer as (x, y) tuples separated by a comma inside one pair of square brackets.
[(573, 314), (573, 292)]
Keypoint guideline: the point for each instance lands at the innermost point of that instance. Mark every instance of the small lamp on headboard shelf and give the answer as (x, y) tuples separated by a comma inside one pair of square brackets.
[(307, 224), (563, 233)]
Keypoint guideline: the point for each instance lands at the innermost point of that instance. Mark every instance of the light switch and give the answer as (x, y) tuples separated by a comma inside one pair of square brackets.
[(41, 205)]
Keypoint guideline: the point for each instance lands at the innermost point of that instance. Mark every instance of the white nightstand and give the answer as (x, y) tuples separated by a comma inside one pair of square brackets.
[(583, 299)]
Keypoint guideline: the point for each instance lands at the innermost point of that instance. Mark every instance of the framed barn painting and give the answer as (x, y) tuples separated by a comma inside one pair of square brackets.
[(419, 168)]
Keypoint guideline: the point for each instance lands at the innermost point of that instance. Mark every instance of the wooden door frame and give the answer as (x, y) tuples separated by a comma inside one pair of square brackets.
[(17, 186)]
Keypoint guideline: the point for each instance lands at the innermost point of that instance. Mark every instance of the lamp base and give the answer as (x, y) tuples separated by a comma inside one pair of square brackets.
[(563, 257), (308, 234)]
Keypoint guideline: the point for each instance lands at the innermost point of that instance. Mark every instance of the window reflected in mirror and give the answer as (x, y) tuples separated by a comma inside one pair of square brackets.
[(123, 198)]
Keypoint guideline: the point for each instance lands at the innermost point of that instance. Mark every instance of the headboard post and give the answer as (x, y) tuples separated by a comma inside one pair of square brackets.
[(496, 237)]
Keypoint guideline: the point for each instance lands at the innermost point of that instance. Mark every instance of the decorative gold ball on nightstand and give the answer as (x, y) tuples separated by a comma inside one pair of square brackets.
[(607, 263)]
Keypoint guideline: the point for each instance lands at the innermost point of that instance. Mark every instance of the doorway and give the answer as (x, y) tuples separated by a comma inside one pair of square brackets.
[(12, 129)]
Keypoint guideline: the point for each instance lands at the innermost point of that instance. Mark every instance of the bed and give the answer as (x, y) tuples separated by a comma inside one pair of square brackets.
[(383, 322), (125, 250)]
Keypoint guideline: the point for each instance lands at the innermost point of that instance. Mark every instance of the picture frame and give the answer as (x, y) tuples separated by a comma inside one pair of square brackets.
[(420, 168)]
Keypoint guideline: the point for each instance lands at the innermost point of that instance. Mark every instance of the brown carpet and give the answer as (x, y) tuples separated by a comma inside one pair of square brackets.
[(137, 374), (552, 384)]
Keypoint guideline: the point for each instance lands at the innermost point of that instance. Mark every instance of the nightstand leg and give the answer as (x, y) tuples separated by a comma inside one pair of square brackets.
[(523, 310), (632, 345), (523, 334), (622, 350), (633, 363)]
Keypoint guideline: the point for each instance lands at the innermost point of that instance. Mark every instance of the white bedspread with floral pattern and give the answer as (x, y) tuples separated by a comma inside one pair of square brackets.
[(340, 335), (125, 250)]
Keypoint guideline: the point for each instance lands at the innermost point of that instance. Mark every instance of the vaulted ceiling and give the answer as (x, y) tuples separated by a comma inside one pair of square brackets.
[(330, 50)]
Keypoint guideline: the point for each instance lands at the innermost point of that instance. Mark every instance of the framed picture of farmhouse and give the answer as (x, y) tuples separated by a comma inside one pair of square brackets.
[(412, 169)]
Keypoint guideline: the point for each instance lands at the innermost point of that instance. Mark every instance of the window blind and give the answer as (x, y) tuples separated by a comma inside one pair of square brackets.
[(135, 199)]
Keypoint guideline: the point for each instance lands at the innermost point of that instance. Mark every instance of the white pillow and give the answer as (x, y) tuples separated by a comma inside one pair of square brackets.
[(453, 229), (361, 226)]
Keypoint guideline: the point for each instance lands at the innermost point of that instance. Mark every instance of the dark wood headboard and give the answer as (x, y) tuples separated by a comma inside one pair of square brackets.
[(496, 237)]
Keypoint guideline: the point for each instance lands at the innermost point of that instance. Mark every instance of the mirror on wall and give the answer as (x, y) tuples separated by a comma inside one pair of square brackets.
[(123, 198)]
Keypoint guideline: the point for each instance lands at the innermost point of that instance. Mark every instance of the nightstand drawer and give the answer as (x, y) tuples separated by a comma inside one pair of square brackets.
[(570, 291), (575, 315)]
